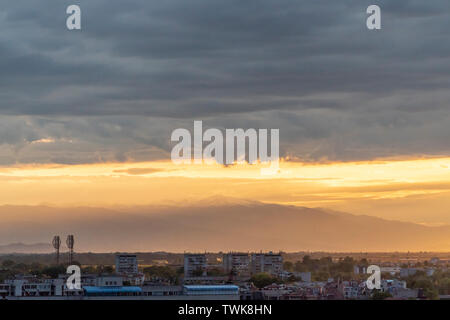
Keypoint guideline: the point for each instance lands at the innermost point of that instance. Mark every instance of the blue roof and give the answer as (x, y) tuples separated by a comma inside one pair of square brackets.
[(91, 289), (211, 287)]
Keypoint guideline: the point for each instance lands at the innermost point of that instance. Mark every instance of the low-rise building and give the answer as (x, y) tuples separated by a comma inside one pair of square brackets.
[(222, 292)]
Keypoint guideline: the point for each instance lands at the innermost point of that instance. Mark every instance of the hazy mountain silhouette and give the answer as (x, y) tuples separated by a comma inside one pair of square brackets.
[(218, 225), (26, 248)]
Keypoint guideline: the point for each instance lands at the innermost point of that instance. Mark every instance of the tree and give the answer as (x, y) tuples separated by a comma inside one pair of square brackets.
[(197, 272), (321, 276), (288, 265), (364, 262), (419, 281), (300, 267), (379, 295), (263, 279), (307, 260), (108, 269), (7, 263), (215, 272), (162, 272), (54, 271)]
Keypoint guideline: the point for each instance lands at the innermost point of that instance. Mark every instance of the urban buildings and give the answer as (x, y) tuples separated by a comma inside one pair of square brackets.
[(271, 263), (245, 264), (237, 264), (230, 281), (195, 265), (126, 264)]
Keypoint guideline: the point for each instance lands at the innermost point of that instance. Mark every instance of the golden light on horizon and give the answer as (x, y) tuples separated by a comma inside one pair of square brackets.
[(159, 182)]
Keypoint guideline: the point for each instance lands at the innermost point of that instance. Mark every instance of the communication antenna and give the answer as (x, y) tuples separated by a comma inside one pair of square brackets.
[(70, 242), (56, 244)]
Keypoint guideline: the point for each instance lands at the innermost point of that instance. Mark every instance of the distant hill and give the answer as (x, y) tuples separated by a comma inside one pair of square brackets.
[(25, 248), (218, 226)]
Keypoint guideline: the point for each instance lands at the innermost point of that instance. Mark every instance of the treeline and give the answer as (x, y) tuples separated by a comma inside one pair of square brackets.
[(431, 286), (10, 268), (91, 258), (323, 268)]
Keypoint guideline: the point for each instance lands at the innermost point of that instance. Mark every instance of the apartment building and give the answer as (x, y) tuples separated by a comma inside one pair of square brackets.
[(237, 264), (271, 263), (195, 264), (126, 264)]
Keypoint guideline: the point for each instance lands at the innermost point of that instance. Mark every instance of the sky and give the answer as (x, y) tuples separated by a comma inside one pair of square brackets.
[(407, 190), (86, 116)]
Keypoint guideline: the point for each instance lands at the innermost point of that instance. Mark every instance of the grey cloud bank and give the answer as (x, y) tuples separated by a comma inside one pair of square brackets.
[(139, 69)]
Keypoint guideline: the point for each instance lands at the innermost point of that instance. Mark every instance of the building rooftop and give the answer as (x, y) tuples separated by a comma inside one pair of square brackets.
[(211, 287), (100, 290)]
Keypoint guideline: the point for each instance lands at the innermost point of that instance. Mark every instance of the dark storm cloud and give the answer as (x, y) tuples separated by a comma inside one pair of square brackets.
[(139, 69)]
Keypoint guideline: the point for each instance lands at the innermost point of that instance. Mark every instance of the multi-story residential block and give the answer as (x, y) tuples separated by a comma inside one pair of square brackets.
[(271, 263), (195, 264), (126, 264), (350, 289), (406, 272), (237, 264), (357, 269), (391, 270)]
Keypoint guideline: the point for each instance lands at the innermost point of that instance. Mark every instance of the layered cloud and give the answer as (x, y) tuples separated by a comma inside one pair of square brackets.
[(139, 69)]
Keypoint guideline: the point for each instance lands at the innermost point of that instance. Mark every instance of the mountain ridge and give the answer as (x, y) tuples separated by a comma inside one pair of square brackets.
[(221, 227)]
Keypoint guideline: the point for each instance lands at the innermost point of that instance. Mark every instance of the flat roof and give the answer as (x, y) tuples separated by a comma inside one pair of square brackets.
[(131, 289), (212, 287)]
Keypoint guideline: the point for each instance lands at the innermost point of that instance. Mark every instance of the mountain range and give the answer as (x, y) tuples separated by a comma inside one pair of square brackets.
[(213, 226)]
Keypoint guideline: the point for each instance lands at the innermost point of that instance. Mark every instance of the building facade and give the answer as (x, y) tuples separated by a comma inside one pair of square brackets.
[(237, 264), (271, 263), (126, 264), (195, 264)]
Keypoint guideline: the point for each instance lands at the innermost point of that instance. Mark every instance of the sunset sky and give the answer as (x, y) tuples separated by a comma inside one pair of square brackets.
[(364, 116), (409, 190)]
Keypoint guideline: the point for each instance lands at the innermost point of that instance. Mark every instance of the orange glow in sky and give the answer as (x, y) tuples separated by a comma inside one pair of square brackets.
[(347, 186)]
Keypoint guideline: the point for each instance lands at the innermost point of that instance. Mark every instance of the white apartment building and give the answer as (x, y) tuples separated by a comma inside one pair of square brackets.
[(237, 263), (271, 263), (126, 264)]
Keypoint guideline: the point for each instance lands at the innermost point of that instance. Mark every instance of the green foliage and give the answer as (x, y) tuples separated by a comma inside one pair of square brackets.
[(320, 276), (431, 286), (162, 272), (324, 268), (379, 295), (53, 271), (101, 269), (197, 272), (288, 265), (214, 272), (444, 286), (7, 263), (263, 279), (88, 269)]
